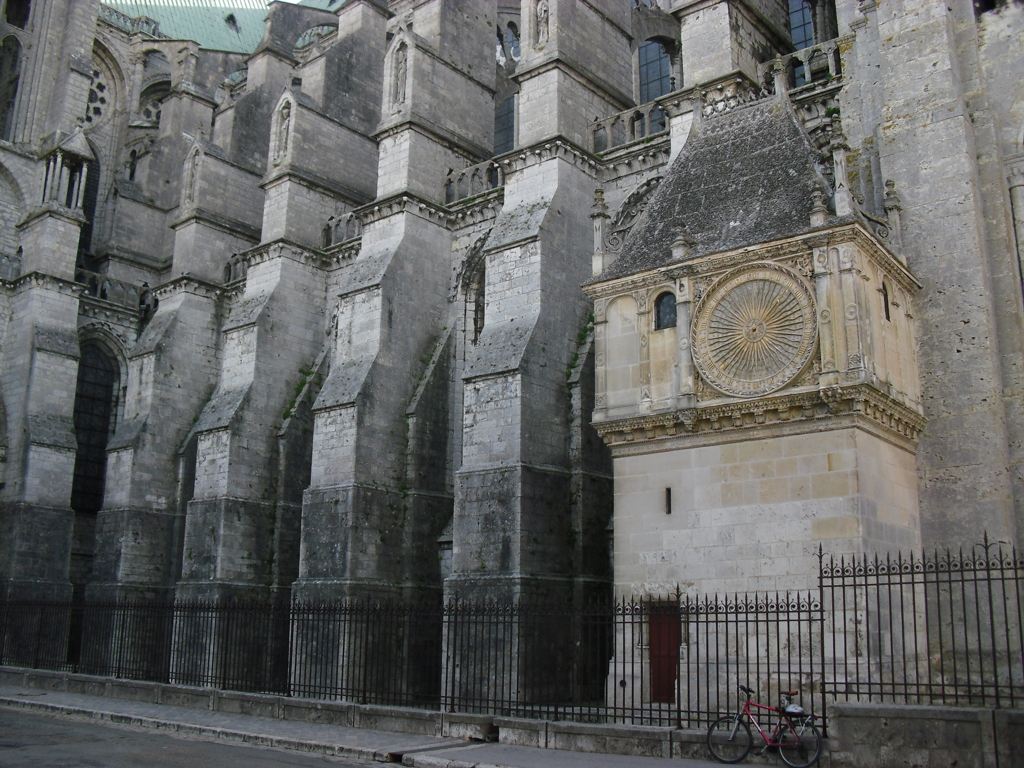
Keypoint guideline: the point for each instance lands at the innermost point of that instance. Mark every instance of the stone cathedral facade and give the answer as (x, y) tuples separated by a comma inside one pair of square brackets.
[(503, 298)]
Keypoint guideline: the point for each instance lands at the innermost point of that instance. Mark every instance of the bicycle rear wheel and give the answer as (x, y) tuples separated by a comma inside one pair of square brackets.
[(729, 739), (801, 747)]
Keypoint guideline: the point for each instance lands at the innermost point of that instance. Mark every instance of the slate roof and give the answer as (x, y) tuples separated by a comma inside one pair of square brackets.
[(742, 178), (204, 22)]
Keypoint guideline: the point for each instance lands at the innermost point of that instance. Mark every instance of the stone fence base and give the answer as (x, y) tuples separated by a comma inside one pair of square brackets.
[(860, 735), (891, 736)]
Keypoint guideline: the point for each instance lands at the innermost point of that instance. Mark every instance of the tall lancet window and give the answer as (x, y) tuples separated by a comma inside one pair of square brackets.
[(655, 69), (10, 73), (94, 412)]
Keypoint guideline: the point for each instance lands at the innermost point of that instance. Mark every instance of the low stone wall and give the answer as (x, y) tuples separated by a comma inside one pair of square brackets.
[(860, 735), (395, 719), (891, 736), (618, 740)]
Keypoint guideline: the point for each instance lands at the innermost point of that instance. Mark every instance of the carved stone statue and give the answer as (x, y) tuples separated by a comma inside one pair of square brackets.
[(543, 12), (192, 170), (283, 130), (401, 75)]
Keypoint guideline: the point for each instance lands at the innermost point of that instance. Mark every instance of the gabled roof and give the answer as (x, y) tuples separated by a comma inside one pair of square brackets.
[(220, 25), (743, 177)]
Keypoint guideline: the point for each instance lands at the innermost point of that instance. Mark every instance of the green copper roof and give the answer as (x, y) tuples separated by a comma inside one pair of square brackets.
[(224, 25)]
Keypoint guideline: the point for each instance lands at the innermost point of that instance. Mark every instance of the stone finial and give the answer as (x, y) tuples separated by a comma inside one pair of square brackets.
[(779, 79), (599, 214), (819, 211), (682, 245)]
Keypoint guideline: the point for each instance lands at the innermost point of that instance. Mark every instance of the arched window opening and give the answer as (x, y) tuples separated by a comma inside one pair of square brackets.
[(655, 78), (638, 126), (10, 73), (89, 198), (151, 102), (499, 53), (512, 48), (474, 283), (885, 301), (94, 416), (17, 12), (505, 126), (665, 312)]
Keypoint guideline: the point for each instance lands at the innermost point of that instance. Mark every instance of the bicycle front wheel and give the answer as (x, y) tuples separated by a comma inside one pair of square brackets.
[(800, 746), (729, 739)]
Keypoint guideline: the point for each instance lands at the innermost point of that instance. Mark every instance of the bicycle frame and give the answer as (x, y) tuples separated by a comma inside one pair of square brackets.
[(784, 720)]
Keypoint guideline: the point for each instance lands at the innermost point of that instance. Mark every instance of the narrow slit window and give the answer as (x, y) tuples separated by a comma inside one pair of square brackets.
[(885, 301)]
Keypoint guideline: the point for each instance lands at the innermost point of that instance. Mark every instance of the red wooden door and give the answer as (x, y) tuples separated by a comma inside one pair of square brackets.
[(664, 647)]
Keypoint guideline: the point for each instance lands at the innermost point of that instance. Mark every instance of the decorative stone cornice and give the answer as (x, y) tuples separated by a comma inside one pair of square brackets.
[(403, 203), (850, 231), (798, 411), (99, 309), (283, 249), (482, 208), (559, 148), (42, 280), (637, 157), (188, 284)]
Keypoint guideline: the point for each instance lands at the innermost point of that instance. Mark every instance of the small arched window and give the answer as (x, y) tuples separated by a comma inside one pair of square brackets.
[(665, 311)]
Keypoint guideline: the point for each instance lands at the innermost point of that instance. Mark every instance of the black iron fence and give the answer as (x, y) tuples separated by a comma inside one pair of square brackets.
[(944, 628)]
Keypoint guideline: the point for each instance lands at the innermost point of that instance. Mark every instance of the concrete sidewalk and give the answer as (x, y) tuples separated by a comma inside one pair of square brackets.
[(382, 746)]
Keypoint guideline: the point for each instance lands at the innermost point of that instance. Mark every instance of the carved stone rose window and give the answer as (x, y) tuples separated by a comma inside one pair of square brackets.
[(754, 331)]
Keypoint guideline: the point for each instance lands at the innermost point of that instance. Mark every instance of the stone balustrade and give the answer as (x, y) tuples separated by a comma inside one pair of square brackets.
[(108, 289), (473, 181), (631, 125), (808, 65), (130, 24)]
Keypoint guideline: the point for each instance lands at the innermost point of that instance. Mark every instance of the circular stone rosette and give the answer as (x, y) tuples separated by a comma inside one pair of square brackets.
[(754, 331)]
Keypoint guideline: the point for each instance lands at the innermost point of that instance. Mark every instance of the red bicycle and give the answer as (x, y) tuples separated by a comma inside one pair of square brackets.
[(795, 735)]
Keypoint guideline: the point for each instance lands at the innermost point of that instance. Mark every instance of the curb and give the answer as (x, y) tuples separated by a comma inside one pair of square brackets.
[(191, 729), (424, 761)]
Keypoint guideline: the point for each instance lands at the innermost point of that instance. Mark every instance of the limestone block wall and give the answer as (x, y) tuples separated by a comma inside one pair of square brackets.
[(581, 69), (965, 453), (750, 515), (346, 80), (272, 333), (171, 372), (40, 359)]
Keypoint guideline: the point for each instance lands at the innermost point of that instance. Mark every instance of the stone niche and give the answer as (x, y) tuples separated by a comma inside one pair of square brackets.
[(775, 410)]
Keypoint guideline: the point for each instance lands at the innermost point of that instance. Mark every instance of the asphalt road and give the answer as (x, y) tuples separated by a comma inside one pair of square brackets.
[(29, 739)]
